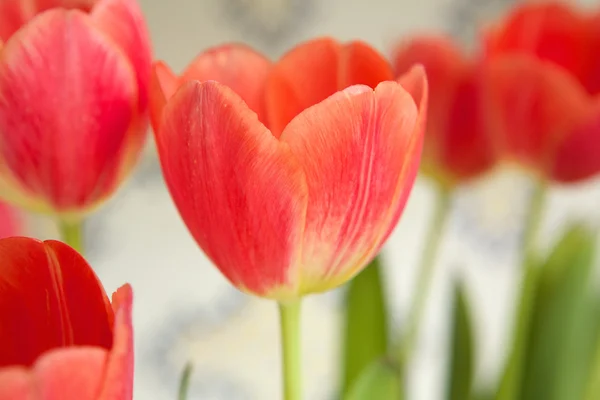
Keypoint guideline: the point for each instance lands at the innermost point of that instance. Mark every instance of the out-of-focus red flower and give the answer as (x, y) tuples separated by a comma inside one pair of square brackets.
[(458, 145), (544, 65), (277, 92), (60, 337), (10, 222), (74, 79), (282, 215)]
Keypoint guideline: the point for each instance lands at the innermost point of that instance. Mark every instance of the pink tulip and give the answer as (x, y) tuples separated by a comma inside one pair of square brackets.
[(74, 79)]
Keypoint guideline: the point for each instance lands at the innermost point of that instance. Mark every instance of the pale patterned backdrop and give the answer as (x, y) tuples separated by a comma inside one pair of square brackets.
[(185, 309)]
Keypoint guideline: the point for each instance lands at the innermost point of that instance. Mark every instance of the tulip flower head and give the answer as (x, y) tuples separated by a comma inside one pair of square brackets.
[(74, 79), (61, 338), (283, 214), (458, 145), (545, 88)]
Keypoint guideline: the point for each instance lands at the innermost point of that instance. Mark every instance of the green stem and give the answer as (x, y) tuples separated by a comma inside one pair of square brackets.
[(184, 384), (290, 339), (425, 275), (533, 221), (72, 234)]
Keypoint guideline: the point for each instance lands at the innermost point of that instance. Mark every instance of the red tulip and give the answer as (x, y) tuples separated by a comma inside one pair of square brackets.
[(61, 338), (458, 145), (543, 65), (74, 79), (277, 92), (9, 221), (304, 211)]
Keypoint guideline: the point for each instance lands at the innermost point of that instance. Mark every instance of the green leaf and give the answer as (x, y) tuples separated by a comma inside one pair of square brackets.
[(460, 373), (366, 325), (553, 349), (381, 380)]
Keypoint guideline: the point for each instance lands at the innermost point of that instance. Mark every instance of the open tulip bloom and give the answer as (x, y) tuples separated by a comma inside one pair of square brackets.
[(62, 339), (74, 79), (284, 214)]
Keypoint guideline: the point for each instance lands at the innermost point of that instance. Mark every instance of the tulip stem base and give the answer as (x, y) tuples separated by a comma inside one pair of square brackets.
[(72, 234), (425, 276), (289, 313)]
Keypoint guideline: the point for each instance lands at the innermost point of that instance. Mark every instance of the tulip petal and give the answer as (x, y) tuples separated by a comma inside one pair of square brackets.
[(315, 70), (47, 287), (163, 85), (536, 105), (70, 374), (359, 150), (552, 31), (118, 376), (63, 134), (237, 66), (239, 191)]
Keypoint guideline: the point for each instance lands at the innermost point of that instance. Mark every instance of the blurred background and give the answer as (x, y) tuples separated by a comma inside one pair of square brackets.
[(184, 309)]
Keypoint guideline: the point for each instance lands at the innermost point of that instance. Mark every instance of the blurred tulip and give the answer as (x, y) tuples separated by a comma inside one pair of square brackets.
[(543, 67), (74, 79), (9, 221), (277, 92), (60, 336), (300, 212), (458, 145)]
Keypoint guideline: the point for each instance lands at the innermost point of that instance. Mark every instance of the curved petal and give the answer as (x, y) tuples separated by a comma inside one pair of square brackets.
[(578, 156), (49, 297), (237, 66), (315, 70), (535, 105), (66, 107), (552, 31), (163, 85), (9, 221), (118, 375), (239, 191), (359, 150)]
